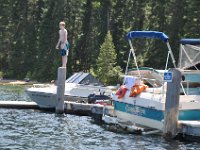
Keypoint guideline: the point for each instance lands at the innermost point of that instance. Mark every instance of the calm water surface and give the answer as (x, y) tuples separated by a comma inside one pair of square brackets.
[(33, 129)]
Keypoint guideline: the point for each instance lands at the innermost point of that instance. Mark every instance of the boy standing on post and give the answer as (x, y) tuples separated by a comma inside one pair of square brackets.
[(63, 43)]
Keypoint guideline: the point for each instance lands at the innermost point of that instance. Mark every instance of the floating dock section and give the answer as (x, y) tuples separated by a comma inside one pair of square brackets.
[(69, 107), (18, 105), (190, 128)]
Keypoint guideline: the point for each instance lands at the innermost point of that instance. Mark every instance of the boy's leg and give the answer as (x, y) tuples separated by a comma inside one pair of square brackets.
[(64, 61)]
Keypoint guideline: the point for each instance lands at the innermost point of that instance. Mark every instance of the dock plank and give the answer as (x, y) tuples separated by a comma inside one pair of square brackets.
[(70, 107), (191, 128)]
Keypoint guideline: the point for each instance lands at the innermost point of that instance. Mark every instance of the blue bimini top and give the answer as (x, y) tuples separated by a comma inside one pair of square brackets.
[(190, 41), (147, 34)]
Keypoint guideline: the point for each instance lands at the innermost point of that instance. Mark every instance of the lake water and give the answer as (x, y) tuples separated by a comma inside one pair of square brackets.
[(37, 130)]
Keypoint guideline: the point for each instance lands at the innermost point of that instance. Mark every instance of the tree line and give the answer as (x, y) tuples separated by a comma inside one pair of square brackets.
[(29, 32)]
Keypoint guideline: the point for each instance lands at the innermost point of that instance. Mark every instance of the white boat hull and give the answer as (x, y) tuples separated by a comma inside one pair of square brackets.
[(139, 120), (45, 97), (147, 109), (44, 100)]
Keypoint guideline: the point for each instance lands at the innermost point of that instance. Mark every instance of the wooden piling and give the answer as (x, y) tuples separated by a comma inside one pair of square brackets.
[(172, 105), (61, 77)]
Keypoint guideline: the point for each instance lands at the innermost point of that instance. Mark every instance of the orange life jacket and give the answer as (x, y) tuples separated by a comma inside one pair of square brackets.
[(121, 91), (137, 89)]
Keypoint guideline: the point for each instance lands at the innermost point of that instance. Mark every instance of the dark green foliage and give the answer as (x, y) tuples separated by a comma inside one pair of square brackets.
[(107, 70), (84, 45), (29, 32)]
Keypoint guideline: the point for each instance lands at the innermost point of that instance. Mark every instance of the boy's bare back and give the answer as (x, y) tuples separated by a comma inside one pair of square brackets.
[(63, 38)]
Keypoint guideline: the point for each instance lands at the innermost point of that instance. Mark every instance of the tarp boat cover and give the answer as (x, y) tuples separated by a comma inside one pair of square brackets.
[(189, 55), (147, 34)]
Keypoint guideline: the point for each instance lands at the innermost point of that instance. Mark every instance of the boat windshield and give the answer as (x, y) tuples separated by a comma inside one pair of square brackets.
[(150, 75)]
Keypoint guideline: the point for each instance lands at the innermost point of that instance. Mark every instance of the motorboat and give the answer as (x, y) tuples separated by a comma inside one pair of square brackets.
[(77, 89), (146, 108)]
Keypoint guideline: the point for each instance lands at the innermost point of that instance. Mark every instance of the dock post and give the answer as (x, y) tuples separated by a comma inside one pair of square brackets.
[(172, 105), (61, 77)]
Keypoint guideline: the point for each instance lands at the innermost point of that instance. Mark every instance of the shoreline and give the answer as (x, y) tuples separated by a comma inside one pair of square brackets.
[(17, 82)]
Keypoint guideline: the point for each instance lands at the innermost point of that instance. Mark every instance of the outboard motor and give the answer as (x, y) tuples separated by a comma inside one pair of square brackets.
[(93, 98)]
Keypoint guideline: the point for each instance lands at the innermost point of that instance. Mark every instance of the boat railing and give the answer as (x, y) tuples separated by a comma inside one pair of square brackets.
[(190, 85)]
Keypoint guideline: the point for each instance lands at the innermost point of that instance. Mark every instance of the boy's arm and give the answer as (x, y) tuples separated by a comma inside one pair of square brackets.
[(65, 36), (59, 40)]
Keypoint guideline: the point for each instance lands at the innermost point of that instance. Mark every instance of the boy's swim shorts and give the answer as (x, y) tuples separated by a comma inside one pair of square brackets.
[(65, 51)]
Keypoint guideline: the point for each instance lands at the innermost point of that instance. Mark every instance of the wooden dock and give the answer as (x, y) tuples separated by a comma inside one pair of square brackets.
[(18, 105), (70, 107), (189, 129)]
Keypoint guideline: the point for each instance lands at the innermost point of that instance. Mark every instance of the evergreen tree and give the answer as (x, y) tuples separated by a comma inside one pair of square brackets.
[(175, 30), (157, 50), (83, 49), (18, 26), (107, 71), (32, 33), (119, 33), (105, 11), (29, 32), (192, 27), (5, 36)]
